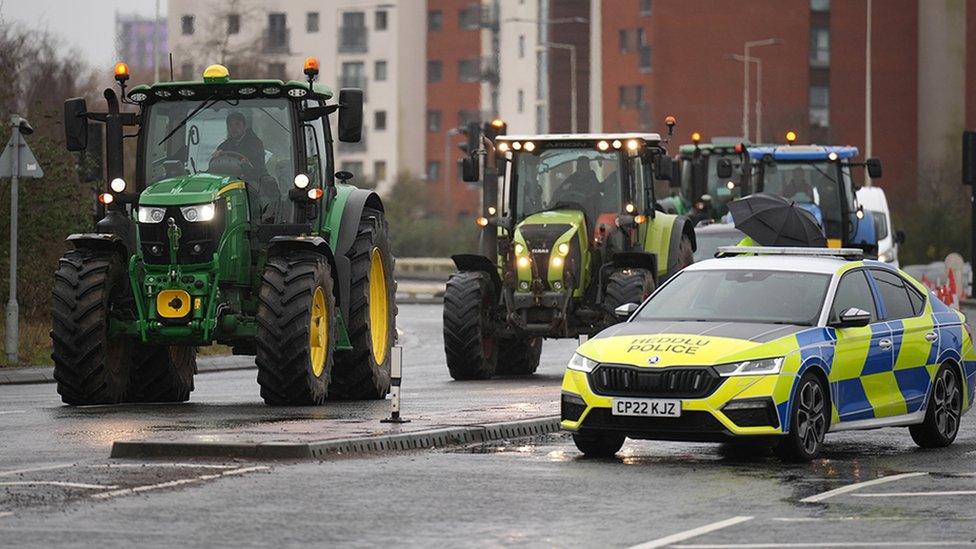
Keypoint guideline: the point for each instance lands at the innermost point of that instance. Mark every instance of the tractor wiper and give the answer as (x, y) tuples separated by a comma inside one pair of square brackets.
[(206, 104)]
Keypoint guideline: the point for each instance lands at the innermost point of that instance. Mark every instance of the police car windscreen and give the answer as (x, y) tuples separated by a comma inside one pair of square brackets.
[(775, 297)]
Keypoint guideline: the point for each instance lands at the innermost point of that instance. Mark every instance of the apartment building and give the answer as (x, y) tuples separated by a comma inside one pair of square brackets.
[(140, 41), (379, 47)]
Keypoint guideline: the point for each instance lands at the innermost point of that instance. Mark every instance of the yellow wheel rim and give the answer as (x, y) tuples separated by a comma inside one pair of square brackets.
[(318, 332), (378, 306)]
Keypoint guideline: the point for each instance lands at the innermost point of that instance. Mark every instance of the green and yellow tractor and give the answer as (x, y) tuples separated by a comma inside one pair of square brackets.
[(235, 230), (571, 241)]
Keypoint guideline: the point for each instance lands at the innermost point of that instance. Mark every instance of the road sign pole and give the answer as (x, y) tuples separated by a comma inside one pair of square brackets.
[(13, 313)]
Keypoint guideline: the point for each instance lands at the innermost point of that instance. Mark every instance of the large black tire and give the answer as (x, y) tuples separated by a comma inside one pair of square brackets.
[(684, 254), (295, 323), (626, 286), (89, 367), (942, 414), (809, 421), (598, 445), (162, 373), (518, 356), (364, 371), (470, 342)]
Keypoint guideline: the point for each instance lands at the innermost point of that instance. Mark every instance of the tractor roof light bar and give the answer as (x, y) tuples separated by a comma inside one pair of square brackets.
[(844, 253)]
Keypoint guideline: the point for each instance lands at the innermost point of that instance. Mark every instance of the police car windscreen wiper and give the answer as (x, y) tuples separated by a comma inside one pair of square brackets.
[(206, 104)]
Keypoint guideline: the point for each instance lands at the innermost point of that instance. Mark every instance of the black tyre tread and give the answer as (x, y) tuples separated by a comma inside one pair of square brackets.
[(356, 374), (599, 445), (89, 367), (685, 255), (162, 373), (284, 309), (465, 327), (925, 434), (518, 356), (623, 287)]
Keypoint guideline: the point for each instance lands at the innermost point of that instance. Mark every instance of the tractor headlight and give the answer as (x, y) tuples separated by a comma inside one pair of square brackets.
[(199, 212), (563, 248), (522, 262), (760, 367), (581, 364), (519, 248), (117, 184), (301, 181), (151, 214)]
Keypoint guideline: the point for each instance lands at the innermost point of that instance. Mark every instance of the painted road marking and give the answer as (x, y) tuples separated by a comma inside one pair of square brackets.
[(828, 544), (858, 486), (837, 519), (181, 482), (693, 533), (35, 469), (5, 514), (59, 483), (13, 412), (150, 464), (910, 494)]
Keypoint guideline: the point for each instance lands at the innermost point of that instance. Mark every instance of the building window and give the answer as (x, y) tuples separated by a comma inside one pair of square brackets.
[(353, 167), (435, 21), (521, 101), (379, 170), (820, 47), (277, 30), (645, 58), (470, 17), (379, 71), (631, 97), (469, 70), (433, 121), (623, 38), (645, 7), (380, 20), (433, 170), (819, 5), (276, 70), (312, 21), (820, 106), (353, 75), (435, 71), (186, 71), (379, 120), (352, 34), (233, 23), (521, 46), (186, 24)]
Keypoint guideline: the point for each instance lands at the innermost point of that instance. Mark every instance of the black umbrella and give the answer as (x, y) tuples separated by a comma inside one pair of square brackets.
[(772, 220)]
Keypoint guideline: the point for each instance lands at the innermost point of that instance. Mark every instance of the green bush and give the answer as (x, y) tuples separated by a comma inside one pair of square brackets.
[(415, 229)]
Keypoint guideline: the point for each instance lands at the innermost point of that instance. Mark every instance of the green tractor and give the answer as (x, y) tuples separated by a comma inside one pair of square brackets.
[(712, 175), (571, 242), (234, 230)]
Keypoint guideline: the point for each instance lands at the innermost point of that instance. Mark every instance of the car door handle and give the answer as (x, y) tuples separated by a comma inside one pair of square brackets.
[(931, 337), (885, 344)]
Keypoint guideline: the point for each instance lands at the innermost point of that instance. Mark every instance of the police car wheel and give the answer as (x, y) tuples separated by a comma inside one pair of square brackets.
[(942, 414), (809, 419), (598, 445)]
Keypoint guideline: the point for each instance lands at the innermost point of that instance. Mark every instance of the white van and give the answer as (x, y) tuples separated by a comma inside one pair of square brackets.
[(873, 200)]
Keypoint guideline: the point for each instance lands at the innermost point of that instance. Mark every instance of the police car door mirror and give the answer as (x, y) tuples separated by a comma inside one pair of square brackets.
[(853, 317), (664, 170), (75, 124), (899, 236), (350, 115), (624, 311), (724, 168), (469, 169), (343, 176), (874, 167)]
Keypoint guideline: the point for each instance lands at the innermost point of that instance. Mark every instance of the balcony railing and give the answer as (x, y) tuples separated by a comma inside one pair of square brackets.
[(276, 41), (353, 40)]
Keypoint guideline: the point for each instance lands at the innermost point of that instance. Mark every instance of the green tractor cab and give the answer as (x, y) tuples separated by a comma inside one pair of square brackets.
[(571, 234), (234, 230), (712, 175)]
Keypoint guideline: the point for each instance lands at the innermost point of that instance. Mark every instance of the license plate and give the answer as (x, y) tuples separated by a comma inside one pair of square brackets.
[(646, 407)]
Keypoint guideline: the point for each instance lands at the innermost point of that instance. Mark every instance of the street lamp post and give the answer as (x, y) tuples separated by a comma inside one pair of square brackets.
[(745, 78), (759, 103), (446, 169)]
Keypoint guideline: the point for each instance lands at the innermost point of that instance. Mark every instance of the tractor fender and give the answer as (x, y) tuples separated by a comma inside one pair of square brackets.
[(99, 241), (636, 260), (475, 263), (352, 211), (682, 227), (283, 245)]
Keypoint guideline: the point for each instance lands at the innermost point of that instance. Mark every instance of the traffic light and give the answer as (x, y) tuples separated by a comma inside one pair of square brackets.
[(495, 128)]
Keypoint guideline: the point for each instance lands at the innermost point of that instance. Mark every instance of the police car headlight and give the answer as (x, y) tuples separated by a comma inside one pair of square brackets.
[(150, 214), (199, 212), (581, 364), (760, 367)]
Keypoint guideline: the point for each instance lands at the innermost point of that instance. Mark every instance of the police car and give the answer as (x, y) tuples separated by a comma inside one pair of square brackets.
[(774, 344)]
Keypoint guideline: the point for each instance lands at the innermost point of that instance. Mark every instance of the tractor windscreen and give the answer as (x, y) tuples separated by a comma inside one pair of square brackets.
[(813, 186), (719, 189), (556, 178)]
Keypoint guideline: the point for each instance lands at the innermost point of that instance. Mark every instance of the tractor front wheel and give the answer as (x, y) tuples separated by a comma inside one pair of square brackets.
[(90, 367), (518, 356), (626, 286), (162, 373), (296, 330), (470, 342)]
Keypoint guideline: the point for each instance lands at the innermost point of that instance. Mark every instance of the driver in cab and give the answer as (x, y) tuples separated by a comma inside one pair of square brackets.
[(583, 181), (242, 143)]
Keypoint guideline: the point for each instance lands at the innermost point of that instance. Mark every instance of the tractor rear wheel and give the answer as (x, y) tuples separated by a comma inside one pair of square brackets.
[(162, 373), (89, 366), (296, 330), (626, 286), (518, 356), (469, 326), (684, 255), (364, 371)]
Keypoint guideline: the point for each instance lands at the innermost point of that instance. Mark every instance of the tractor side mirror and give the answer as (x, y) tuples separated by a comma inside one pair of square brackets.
[(665, 168), (874, 167), (899, 236), (724, 168), (75, 124), (624, 311), (350, 115), (853, 317), (469, 169), (675, 181), (343, 176)]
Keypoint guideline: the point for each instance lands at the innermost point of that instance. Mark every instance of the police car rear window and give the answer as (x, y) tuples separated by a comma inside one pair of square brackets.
[(776, 297), (894, 295)]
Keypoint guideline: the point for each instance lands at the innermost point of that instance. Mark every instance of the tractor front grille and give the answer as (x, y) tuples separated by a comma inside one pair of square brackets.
[(540, 239), (198, 241), (669, 382)]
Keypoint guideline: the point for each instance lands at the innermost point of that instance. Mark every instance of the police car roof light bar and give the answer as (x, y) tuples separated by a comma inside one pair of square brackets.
[(845, 253)]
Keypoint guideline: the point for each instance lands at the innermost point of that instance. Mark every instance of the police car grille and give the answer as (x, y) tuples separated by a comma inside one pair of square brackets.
[(611, 380)]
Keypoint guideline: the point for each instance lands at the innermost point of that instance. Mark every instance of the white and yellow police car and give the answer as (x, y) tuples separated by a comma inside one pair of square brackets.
[(781, 344)]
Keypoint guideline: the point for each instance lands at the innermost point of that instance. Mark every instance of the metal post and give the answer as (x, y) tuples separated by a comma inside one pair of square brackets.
[(868, 134), (446, 171), (396, 365), (13, 312), (758, 100), (156, 45), (745, 91)]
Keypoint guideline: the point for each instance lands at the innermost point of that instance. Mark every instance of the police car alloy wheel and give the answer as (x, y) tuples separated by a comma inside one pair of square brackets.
[(941, 423), (808, 421)]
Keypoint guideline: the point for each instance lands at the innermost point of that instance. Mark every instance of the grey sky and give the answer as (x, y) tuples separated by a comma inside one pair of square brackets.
[(88, 25)]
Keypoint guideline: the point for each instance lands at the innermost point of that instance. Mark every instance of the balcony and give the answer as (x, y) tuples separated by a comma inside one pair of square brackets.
[(350, 81), (276, 40), (353, 40)]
